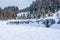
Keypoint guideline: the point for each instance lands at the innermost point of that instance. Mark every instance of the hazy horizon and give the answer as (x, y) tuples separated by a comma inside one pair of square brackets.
[(20, 3)]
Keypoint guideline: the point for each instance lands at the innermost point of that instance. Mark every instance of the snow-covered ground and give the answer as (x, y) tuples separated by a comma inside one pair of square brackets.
[(21, 32), (29, 31)]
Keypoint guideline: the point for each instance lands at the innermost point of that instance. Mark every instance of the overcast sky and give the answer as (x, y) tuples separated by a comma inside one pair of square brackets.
[(20, 3)]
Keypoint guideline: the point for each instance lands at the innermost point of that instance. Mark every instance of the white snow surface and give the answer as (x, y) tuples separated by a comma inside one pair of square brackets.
[(22, 32)]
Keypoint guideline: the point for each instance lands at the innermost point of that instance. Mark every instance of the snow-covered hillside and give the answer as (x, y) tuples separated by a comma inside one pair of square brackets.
[(21, 32)]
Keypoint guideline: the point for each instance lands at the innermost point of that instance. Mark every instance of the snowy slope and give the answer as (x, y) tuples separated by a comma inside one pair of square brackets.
[(21, 32)]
